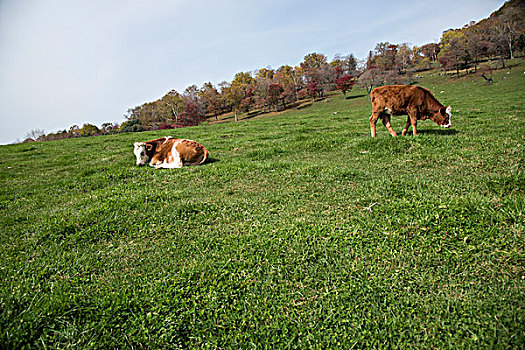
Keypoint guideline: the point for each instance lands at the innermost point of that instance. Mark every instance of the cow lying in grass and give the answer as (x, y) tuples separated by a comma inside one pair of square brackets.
[(168, 152), (416, 102)]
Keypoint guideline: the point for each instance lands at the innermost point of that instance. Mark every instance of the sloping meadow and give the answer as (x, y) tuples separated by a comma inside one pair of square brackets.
[(300, 232)]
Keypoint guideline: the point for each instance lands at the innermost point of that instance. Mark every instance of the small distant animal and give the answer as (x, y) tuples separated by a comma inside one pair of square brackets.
[(487, 79), (169, 152), (416, 102)]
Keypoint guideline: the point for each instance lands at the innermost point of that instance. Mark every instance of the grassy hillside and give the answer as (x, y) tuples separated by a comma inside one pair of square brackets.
[(302, 232)]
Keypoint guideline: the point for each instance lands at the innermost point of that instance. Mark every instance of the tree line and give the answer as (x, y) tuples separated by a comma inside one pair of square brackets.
[(498, 37)]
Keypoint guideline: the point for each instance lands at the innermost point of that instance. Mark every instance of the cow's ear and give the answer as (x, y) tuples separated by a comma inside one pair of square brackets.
[(443, 111), (449, 110), (149, 146)]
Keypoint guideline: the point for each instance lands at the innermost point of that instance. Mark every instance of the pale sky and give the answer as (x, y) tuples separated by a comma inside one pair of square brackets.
[(66, 62)]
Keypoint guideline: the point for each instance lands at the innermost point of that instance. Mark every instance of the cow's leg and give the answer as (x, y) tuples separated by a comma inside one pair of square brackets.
[(386, 122), (173, 165), (165, 165), (413, 121), (373, 122), (412, 115), (155, 163), (406, 126)]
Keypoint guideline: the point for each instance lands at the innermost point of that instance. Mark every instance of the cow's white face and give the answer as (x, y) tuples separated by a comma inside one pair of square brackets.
[(140, 152), (449, 113)]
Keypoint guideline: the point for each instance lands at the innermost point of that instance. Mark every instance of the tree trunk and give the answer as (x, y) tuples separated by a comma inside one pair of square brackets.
[(369, 90), (510, 49)]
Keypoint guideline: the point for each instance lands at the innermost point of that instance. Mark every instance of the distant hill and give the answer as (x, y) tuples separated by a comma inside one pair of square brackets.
[(509, 6), (501, 35)]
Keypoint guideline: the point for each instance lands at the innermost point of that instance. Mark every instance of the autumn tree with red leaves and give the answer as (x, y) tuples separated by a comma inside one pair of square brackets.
[(191, 116), (314, 89), (345, 83), (274, 95)]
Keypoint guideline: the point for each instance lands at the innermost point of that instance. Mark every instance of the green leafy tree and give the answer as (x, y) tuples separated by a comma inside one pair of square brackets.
[(290, 78), (265, 73), (236, 92), (453, 49), (234, 95), (89, 130), (313, 61), (243, 79), (133, 125), (348, 64), (174, 104)]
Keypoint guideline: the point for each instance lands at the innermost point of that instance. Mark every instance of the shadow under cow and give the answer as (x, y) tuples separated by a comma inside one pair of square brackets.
[(211, 160), (437, 131)]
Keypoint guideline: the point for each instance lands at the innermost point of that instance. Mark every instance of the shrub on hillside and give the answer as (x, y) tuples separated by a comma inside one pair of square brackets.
[(89, 130), (133, 125), (302, 94), (165, 126)]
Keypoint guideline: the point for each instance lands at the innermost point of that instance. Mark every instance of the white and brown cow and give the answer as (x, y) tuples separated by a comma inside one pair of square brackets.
[(168, 152), (414, 101)]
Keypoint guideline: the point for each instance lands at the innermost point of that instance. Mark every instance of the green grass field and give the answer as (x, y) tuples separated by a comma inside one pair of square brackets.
[(301, 232)]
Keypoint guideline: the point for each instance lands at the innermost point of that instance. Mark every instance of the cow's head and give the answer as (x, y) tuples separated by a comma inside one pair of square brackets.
[(141, 150), (444, 117)]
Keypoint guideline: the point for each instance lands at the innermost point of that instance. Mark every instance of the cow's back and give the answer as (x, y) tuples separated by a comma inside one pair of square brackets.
[(398, 98)]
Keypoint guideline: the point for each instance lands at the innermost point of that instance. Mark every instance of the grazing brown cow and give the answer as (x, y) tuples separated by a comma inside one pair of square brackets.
[(168, 152), (416, 102)]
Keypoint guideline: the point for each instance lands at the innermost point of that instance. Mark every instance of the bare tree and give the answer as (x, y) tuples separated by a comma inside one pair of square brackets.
[(405, 57), (35, 134), (510, 29), (348, 64), (504, 32), (476, 44), (370, 79)]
